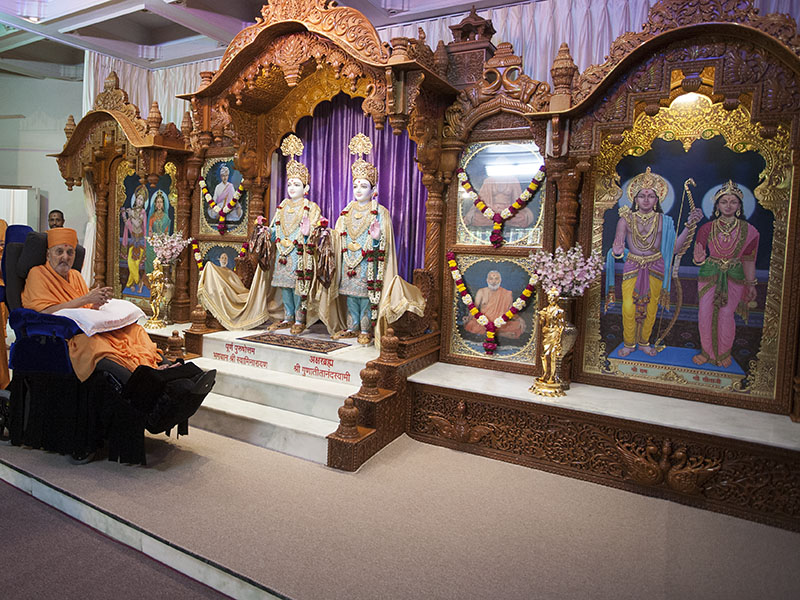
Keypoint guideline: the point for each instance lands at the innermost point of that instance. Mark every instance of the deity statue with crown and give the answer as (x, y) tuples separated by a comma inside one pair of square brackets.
[(291, 231), (366, 287)]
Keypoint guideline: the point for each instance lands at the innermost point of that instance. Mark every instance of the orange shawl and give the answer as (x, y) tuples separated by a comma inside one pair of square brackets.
[(129, 346)]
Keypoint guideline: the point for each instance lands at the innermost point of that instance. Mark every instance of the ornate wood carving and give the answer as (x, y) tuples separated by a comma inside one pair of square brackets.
[(669, 15), (347, 27), (746, 480), (503, 88)]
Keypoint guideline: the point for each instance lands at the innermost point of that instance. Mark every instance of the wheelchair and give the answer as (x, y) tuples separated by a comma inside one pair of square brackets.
[(49, 408)]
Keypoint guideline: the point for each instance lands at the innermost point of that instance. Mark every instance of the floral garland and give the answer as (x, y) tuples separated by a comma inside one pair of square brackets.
[(499, 219), (220, 210), (351, 271), (282, 258), (490, 345), (198, 258)]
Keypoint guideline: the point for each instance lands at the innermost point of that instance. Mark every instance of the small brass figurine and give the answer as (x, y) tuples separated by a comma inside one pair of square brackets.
[(552, 323), (157, 282)]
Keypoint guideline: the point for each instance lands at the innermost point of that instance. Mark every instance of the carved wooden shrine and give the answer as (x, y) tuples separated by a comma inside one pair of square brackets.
[(711, 79)]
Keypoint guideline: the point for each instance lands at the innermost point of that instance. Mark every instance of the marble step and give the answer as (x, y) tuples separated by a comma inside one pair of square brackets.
[(298, 435), (339, 366), (285, 391)]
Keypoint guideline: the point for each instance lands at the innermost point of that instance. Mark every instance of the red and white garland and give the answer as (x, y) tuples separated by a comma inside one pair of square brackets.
[(490, 345), (499, 219), (221, 210), (376, 261)]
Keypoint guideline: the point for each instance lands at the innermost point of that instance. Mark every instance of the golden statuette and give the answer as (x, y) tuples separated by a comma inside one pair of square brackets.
[(553, 323), (157, 288)]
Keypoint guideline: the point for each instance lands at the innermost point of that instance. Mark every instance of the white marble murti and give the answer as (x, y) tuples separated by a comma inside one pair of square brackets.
[(283, 399), (735, 423)]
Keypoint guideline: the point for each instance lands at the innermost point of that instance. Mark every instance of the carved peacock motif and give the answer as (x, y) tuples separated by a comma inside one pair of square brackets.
[(459, 429)]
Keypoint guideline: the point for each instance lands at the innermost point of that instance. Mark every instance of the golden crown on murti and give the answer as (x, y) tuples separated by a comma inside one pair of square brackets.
[(729, 187), (647, 181), (292, 146), (360, 145)]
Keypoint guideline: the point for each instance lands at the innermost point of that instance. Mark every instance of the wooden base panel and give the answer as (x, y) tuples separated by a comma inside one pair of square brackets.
[(747, 480)]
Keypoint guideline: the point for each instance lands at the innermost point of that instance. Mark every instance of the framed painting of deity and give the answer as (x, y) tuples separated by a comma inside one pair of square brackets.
[(223, 183), (496, 176), (141, 211), (691, 214), (492, 285)]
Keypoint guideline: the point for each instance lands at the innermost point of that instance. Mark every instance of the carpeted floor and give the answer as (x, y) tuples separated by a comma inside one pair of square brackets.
[(47, 555), (423, 522)]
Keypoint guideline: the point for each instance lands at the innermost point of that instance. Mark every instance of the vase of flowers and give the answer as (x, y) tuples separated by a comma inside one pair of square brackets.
[(570, 274), (168, 248)]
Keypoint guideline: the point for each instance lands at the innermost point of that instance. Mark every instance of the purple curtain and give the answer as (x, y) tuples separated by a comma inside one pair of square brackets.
[(326, 137)]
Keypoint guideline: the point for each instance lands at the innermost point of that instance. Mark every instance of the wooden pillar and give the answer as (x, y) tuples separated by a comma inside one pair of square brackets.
[(567, 181), (181, 304), (434, 220), (101, 232)]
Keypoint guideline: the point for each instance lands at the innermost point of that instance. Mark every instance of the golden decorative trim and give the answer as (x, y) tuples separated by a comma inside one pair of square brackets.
[(688, 123)]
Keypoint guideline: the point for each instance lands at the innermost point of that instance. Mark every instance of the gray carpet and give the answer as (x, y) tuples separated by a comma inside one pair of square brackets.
[(46, 554), (419, 521)]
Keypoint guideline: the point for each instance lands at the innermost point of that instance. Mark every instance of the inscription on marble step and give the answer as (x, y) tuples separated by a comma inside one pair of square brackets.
[(238, 353), (321, 367)]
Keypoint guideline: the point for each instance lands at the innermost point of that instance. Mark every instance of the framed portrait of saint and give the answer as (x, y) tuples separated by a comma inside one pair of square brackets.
[(223, 184), (493, 285)]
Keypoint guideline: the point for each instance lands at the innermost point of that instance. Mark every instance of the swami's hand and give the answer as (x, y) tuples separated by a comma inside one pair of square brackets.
[(98, 296)]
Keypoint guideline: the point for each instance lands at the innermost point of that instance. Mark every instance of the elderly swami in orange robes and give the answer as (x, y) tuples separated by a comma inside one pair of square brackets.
[(493, 301), (56, 285)]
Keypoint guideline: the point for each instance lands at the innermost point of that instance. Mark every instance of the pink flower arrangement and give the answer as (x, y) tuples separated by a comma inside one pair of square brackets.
[(568, 271), (167, 247)]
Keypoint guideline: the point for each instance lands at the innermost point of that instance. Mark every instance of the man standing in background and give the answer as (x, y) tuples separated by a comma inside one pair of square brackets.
[(55, 218)]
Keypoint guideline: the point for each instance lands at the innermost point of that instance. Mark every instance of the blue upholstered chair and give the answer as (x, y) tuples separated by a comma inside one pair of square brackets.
[(51, 409)]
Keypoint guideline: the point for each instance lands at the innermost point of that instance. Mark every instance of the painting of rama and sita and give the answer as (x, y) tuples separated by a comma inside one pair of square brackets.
[(693, 229), (338, 187)]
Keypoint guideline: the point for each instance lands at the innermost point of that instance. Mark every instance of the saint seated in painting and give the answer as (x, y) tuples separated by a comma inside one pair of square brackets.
[(493, 301), (646, 241), (725, 250)]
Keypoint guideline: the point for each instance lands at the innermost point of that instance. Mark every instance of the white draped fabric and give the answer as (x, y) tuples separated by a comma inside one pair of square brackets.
[(90, 201), (535, 29), (143, 85)]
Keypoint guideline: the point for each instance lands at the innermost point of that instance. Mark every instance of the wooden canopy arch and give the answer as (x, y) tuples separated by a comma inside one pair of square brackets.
[(113, 131)]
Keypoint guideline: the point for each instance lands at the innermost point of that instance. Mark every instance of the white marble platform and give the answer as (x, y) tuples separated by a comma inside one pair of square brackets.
[(286, 391), (296, 434), (347, 362), (275, 397), (734, 423)]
